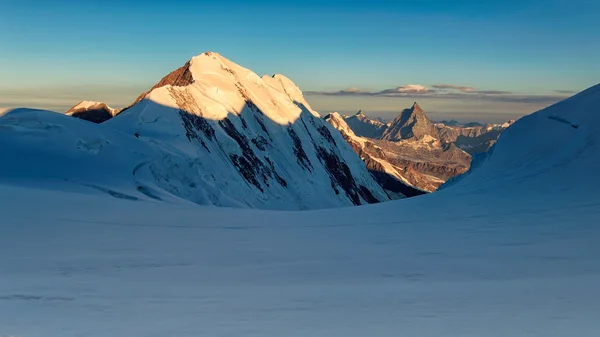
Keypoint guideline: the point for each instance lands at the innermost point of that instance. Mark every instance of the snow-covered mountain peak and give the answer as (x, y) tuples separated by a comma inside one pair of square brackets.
[(339, 123), (365, 126), (255, 139), (87, 104), (213, 87), (96, 112)]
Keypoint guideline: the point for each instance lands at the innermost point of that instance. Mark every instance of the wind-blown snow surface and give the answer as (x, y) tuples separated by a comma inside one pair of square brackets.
[(510, 250)]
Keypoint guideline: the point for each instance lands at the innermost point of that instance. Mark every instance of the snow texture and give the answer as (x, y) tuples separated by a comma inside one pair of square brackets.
[(509, 250)]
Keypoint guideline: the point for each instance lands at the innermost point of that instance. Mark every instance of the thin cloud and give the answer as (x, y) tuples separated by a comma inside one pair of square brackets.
[(450, 92), (568, 92), (344, 92), (453, 87), (405, 89)]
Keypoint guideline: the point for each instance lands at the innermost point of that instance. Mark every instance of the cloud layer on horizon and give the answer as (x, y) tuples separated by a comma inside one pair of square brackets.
[(450, 91)]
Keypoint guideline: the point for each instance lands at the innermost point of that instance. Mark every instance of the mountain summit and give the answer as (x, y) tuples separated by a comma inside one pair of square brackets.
[(411, 123), (254, 140), (213, 133)]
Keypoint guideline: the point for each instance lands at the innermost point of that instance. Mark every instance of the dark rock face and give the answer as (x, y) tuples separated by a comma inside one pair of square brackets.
[(249, 164), (341, 176), (96, 113), (180, 77), (410, 124), (299, 150), (194, 124), (392, 184)]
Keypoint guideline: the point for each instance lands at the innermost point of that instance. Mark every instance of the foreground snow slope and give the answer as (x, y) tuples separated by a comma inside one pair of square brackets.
[(509, 250)]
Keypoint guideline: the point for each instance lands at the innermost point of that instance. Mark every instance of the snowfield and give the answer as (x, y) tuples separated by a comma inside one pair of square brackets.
[(511, 249)]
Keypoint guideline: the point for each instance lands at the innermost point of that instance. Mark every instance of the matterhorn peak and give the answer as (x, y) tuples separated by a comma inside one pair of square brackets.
[(416, 108), (411, 123)]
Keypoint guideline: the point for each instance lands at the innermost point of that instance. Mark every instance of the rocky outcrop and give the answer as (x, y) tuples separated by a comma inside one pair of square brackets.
[(95, 112), (179, 77), (425, 165)]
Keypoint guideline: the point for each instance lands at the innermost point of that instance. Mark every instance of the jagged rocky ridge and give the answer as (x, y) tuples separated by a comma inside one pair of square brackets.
[(471, 138), (228, 137), (422, 165), (413, 124), (389, 176), (415, 150)]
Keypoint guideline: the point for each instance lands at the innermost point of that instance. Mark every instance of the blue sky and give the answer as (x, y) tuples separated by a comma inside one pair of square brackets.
[(496, 58)]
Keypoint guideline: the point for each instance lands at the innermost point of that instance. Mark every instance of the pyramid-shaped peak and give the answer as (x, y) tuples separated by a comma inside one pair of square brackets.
[(410, 123), (416, 107), (360, 113)]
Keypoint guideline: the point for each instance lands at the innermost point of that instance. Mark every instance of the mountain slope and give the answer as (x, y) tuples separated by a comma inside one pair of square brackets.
[(213, 133), (392, 178), (409, 148), (423, 164), (556, 147), (511, 249), (413, 124), (472, 139)]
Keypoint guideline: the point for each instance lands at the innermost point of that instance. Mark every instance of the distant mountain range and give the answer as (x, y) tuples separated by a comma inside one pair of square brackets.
[(215, 133), (413, 149)]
